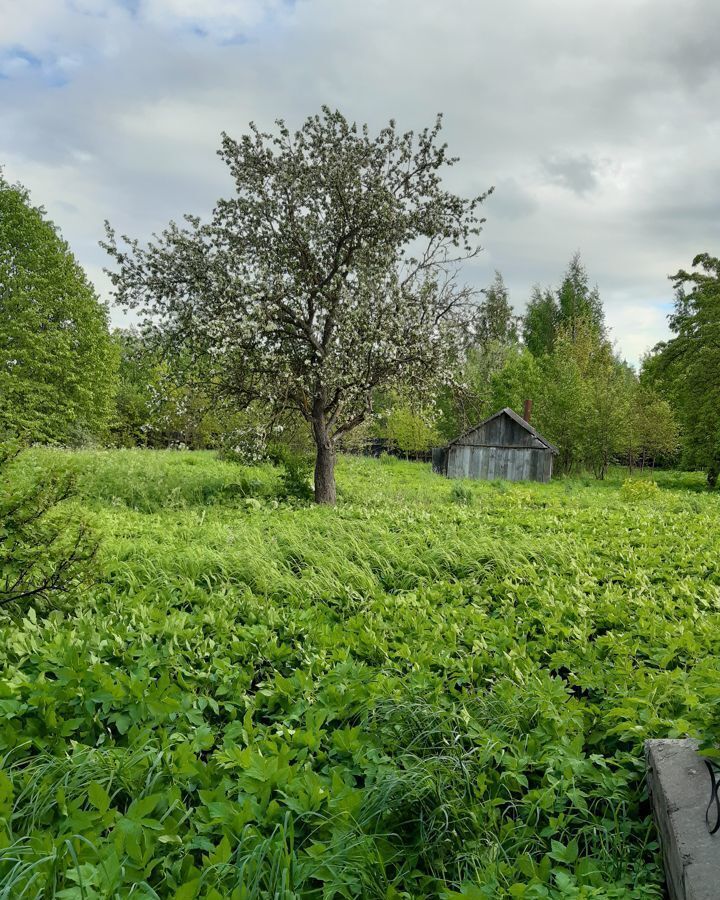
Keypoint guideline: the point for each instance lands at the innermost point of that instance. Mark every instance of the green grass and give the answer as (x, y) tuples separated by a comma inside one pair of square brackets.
[(423, 692)]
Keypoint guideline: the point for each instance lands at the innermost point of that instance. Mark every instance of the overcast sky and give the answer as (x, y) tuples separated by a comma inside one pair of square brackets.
[(597, 122)]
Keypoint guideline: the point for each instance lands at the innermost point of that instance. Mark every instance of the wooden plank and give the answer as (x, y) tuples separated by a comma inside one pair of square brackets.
[(492, 464), (527, 466), (501, 463), (484, 464)]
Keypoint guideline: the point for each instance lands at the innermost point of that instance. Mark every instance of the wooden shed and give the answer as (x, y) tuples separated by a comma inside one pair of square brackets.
[(503, 446)]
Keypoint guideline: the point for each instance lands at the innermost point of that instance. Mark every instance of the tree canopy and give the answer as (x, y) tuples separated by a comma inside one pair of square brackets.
[(496, 320), (573, 305), (687, 367), (540, 321), (57, 363), (329, 274)]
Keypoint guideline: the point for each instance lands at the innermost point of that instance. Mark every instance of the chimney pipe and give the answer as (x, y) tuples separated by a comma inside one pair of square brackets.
[(527, 412)]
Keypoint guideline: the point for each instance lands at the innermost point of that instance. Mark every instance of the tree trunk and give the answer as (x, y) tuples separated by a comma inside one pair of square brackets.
[(324, 465), (712, 475)]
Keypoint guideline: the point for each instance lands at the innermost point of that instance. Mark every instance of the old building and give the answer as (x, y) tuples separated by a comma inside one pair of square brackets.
[(503, 446)]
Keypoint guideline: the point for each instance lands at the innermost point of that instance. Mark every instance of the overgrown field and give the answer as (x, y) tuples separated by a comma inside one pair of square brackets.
[(424, 692)]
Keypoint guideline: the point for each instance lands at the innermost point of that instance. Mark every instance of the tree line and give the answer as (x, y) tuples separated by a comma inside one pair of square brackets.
[(587, 400), (321, 305)]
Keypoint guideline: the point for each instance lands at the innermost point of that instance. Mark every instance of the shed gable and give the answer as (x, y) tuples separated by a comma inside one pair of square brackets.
[(505, 429), (500, 431)]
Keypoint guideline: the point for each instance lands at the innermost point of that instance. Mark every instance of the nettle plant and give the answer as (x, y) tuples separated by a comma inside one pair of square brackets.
[(330, 274)]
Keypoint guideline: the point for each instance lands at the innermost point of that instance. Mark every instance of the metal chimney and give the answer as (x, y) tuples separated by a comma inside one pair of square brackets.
[(527, 412)]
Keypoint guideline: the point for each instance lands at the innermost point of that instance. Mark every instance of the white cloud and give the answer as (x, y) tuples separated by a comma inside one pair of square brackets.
[(223, 19)]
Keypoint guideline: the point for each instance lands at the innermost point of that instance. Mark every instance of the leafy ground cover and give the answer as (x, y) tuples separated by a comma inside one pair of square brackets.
[(424, 692)]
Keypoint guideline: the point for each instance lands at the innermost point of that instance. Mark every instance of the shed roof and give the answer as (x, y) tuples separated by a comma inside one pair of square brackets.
[(516, 418)]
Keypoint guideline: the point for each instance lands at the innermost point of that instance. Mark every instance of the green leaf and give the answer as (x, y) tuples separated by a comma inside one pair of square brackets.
[(188, 891), (98, 796), (142, 807)]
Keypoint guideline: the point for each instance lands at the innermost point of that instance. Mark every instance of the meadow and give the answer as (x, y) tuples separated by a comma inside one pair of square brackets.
[(435, 689)]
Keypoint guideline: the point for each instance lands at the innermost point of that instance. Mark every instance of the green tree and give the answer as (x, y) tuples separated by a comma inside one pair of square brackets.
[(517, 381), (328, 276), (574, 305), (540, 321), (467, 397), (609, 387), (653, 430), (57, 363), (578, 303), (163, 401), (497, 323), (584, 398), (560, 406), (687, 367), (411, 429), (136, 387)]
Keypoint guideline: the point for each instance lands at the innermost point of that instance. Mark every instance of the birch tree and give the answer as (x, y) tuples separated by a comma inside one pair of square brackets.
[(330, 273)]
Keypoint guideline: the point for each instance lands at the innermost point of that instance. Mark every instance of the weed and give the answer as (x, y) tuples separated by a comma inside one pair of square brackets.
[(461, 494), (636, 489)]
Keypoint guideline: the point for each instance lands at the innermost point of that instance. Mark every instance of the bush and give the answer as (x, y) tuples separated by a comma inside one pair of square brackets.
[(634, 489), (46, 549), (297, 471), (461, 494)]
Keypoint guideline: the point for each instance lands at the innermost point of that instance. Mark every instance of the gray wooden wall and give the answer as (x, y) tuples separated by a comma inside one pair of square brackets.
[(510, 463), (501, 431)]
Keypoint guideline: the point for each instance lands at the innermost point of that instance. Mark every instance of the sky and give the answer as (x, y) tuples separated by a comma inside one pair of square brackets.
[(597, 121)]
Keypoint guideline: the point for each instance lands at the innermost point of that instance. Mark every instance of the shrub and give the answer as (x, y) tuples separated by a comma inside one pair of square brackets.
[(635, 489), (46, 550), (297, 470)]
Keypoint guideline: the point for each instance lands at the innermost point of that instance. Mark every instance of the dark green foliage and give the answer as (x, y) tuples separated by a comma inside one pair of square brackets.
[(571, 307), (138, 386), (46, 548), (687, 367), (540, 322), (497, 322), (578, 303), (297, 471), (167, 400), (57, 364)]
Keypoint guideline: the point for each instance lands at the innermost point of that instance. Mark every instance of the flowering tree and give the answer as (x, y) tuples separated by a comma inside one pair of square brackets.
[(330, 273)]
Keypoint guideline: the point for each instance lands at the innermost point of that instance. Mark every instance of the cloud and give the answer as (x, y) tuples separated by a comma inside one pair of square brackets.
[(597, 122), (576, 173)]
